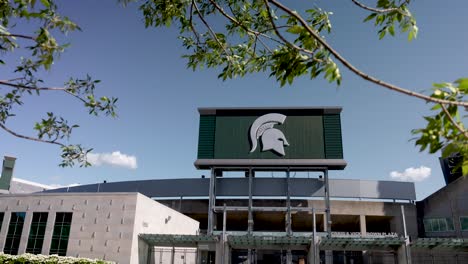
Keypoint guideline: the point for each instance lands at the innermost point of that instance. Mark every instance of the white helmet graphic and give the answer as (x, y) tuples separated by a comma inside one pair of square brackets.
[(272, 138)]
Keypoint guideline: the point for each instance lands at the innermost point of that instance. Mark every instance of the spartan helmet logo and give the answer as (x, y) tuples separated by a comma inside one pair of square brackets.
[(271, 138)]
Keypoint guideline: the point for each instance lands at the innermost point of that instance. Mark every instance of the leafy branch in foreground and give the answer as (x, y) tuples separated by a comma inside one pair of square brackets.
[(43, 49), (242, 36)]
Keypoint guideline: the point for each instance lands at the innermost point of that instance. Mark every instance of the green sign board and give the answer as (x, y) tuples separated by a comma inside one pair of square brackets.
[(270, 137)]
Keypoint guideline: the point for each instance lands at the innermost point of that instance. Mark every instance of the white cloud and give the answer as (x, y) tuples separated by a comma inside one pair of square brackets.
[(412, 174), (115, 158)]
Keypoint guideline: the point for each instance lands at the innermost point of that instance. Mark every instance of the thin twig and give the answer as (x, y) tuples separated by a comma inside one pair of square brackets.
[(377, 10), (21, 86), (29, 138), (449, 116), (192, 26), (357, 71), (251, 31), (18, 36), (213, 34), (282, 37)]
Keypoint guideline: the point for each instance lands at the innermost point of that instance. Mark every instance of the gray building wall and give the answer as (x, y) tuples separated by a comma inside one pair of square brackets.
[(154, 218), (104, 225), (450, 201)]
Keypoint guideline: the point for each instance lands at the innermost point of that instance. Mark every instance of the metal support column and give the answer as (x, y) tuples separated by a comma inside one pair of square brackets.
[(250, 222), (149, 257), (224, 235), (327, 202), (211, 202), (173, 255), (288, 204), (315, 253), (288, 257), (405, 233), (327, 224), (250, 219)]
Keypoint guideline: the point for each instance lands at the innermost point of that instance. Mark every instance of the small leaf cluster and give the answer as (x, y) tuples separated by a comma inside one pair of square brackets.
[(251, 38), (399, 16), (445, 130), (42, 48), (72, 154)]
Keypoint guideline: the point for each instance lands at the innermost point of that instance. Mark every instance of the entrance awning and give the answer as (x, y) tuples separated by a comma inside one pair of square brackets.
[(360, 243), (159, 240), (253, 241), (441, 243)]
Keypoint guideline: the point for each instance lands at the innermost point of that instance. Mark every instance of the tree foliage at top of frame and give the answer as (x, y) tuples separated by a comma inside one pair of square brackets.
[(239, 37)]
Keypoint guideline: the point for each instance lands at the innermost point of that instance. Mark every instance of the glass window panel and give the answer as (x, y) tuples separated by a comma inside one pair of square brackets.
[(449, 224), (1, 219), (36, 234), (61, 234), (442, 224), (464, 223), (15, 229)]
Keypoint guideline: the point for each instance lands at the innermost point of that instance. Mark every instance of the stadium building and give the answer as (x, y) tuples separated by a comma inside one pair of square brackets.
[(268, 199)]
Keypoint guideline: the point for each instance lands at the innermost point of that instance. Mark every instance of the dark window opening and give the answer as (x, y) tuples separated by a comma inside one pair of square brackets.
[(15, 229), (61, 234), (36, 234)]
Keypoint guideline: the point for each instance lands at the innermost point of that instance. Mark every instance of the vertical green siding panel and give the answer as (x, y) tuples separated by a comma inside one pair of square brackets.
[(206, 137), (332, 136)]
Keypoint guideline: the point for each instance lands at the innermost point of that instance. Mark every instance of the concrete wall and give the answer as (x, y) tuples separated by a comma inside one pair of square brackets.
[(102, 224), (449, 202), (153, 217)]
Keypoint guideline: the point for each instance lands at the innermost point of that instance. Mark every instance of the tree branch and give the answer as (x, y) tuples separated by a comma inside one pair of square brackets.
[(357, 71), (377, 10), (210, 29), (21, 86), (18, 36), (282, 37), (256, 33), (29, 138), (449, 116)]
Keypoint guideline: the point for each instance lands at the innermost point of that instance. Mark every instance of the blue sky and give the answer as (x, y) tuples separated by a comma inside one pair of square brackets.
[(159, 96)]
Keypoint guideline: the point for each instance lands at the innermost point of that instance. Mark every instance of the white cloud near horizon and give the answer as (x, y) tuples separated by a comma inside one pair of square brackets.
[(116, 159), (412, 174)]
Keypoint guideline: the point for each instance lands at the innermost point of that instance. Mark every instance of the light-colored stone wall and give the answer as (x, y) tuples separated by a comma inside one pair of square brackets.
[(102, 223), (155, 218)]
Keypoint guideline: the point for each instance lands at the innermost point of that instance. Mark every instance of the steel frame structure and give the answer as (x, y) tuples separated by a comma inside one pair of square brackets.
[(250, 172)]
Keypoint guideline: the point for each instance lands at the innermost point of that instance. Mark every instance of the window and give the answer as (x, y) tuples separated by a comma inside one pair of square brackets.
[(61, 234), (1, 219), (464, 223), (15, 229), (438, 224), (36, 235)]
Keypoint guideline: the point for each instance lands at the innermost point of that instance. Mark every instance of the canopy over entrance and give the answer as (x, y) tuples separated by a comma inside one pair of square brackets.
[(158, 240), (458, 244), (361, 243)]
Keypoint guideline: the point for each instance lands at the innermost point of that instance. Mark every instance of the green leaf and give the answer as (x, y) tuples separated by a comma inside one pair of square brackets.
[(46, 3), (296, 29), (391, 30), (371, 16), (462, 83)]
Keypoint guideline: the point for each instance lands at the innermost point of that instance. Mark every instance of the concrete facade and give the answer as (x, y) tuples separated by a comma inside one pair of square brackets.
[(104, 225), (450, 202)]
